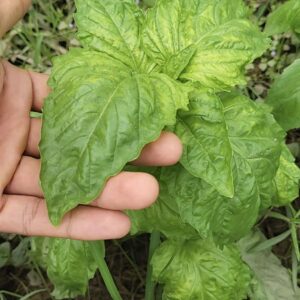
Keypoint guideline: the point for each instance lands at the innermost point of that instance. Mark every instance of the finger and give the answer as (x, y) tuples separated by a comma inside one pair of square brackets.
[(19, 90), (127, 190), (26, 180), (32, 88), (40, 90), (166, 151), (15, 105), (10, 12), (34, 138), (28, 216)]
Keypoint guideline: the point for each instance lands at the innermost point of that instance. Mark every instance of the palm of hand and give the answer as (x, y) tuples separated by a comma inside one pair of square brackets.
[(17, 135)]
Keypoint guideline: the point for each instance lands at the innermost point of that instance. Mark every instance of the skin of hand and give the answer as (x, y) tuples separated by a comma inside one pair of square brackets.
[(22, 207)]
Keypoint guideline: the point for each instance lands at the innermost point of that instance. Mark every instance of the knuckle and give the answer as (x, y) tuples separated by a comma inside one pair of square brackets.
[(2, 75), (68, 227), (3, 219), (29, 216), (3, 201)]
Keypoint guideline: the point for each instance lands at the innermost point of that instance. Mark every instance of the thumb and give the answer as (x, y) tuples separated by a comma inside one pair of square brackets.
[(11, 11)]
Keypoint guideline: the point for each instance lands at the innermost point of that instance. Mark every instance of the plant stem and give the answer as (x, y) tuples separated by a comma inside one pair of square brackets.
[(271, 242), (30, 295), (150, 285), (276, 215), (105, 273), (130, 262), (294, 270), (159, 292)]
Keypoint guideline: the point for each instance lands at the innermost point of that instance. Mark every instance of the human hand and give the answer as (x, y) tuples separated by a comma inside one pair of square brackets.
[(22, 207)]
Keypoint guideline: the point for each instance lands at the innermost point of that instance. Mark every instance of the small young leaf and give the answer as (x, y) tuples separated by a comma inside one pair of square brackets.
[(173, 25), (177, 62), (221, 56), (284, 97), (224, 40), (198, 269)]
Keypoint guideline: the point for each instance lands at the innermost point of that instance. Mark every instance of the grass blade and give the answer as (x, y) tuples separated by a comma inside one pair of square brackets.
[(271, 242)]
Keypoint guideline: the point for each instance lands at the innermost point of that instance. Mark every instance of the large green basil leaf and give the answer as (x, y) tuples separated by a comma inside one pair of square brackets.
[(223, 39), (98, 117), (112, 27), (211, 214), (215, 135), (198, 269), (207, 151), (256, 139), (286, 179), (284, 97), (69, 264), (284, 19)]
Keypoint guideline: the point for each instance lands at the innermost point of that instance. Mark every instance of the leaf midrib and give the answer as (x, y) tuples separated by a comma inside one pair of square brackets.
[(110, 99)]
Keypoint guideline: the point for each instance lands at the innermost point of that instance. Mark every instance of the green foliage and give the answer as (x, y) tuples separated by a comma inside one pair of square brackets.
[(192, 270), (148, 3), (15, 256), (137, 73), (4, 253), (101, 98), (288, 175), (111, 27), (117, 81), (19, 255), (164, 215), (254, 156), (286, 18), (213, 143), (271, 280), (284, 97), (207, 150), (211, 28), (69, 264), (116, 68)]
